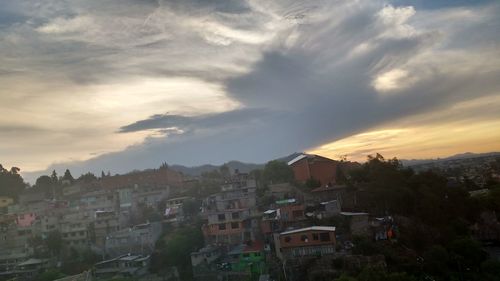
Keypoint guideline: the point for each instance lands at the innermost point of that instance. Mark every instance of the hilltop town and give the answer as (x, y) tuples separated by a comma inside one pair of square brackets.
[(307, 217)]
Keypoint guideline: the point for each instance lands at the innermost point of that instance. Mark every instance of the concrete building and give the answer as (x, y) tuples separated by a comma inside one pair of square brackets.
[(105, 222), (137, 239), (14, 243), (309, 166), (124, 266), (358, 223), (231, 214), (74, 229), (303, 242)]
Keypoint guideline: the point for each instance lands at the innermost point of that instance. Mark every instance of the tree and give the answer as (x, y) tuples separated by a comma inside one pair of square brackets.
[(87, 178), (43, 182), (54, 242), (11, 182), (277, 172), (51, 274), (53, 176), (175, 250), (190, 207), (224, 171), (67, 176)]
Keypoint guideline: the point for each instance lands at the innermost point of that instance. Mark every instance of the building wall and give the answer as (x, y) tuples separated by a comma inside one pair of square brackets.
[(26, 219), (321, 169), (297, 241), (318, 242)]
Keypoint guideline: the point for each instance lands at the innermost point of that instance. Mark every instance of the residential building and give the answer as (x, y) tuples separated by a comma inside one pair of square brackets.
[(319, 168), (231, 214), (125, 266), (74, 229), (101, 200), (14, 243), (105, 222), (358, 223), (247, 258), (137, 239), (25, 219), (309, 241), (329, 209), (204, 263)]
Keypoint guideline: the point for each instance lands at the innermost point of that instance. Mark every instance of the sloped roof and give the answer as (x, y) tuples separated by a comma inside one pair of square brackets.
[(296, 159), (311, 228)]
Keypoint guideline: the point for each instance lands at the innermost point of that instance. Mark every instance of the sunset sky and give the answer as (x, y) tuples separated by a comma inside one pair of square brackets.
[(119, 85)]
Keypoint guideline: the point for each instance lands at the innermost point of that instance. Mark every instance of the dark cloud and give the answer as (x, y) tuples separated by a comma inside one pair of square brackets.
[(217, 120), (315, 83)]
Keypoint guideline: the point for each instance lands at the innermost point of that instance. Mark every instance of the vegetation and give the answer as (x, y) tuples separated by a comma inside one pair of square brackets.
[(11, 182), (174, 249), (277, 172), (434, 240)]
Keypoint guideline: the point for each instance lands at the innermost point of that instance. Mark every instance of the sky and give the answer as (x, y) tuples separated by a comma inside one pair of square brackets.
[(118, 85)]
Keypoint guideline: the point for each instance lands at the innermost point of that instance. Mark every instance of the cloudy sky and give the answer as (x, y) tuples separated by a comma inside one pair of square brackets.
[(128, 84)]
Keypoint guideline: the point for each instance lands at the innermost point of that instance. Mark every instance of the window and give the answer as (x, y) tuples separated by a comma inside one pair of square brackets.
[(235, 216), (246, 255), (304, 238), (221, 217), (324, 236), (315, 236), (288, 239), (234, 225), (222, 226)]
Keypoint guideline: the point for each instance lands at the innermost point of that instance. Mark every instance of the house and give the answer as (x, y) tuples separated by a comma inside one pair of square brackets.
[(248, 258), (14, 243), (26, 219), (309, 241), (328, 193), (101, 200), (126, 266), (138, 239), (231, 214), (105, 222), (358, 222), (329, 208), (319, 168), (177, 201), (204, 262)]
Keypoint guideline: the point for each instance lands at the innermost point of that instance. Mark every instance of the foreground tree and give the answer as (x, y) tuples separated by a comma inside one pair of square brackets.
[(11, 182), (277, 172)]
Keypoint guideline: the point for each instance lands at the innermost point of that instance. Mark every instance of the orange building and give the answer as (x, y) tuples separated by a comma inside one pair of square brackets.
[(310, 166), (309, 241)]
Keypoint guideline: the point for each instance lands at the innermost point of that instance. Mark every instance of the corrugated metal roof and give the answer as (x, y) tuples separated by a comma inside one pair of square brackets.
[(296, 159), (312, 228)]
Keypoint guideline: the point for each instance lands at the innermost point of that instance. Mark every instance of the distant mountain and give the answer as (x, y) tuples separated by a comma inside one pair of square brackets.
[(233, 165), (466, 155)]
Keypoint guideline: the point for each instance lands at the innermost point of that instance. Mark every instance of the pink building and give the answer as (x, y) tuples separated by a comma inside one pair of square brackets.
[(26, 219)]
